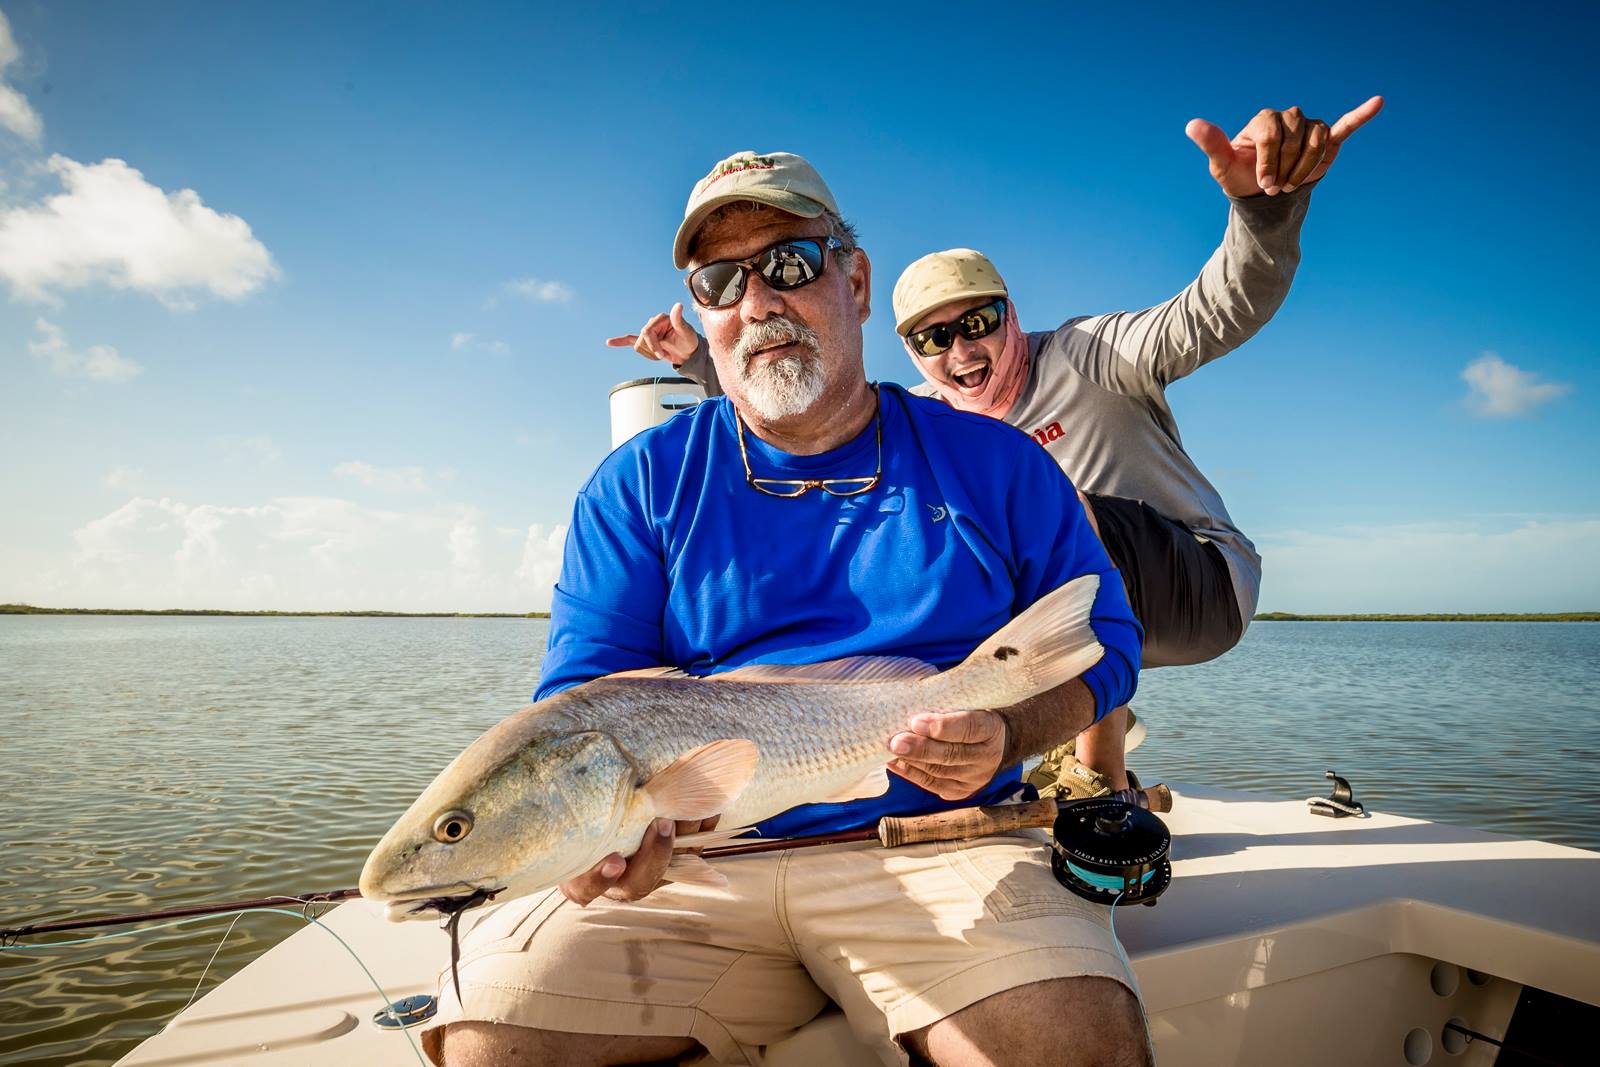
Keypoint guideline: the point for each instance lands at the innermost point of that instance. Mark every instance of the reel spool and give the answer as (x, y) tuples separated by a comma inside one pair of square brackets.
[(1110, 852)]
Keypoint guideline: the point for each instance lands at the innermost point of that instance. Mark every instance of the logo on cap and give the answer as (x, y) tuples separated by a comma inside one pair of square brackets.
[(736, 165)]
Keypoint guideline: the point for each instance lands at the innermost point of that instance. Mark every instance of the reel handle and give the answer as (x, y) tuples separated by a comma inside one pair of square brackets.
[(964, 823)]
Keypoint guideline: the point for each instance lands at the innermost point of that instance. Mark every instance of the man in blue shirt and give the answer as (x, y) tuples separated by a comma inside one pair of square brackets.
[(810, 515)]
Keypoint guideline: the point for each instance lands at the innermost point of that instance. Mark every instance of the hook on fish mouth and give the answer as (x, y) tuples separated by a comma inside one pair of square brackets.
[(443, 899), (451, 907)]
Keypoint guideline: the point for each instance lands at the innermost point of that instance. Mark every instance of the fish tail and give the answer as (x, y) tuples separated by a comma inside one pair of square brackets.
[(1048, 644)]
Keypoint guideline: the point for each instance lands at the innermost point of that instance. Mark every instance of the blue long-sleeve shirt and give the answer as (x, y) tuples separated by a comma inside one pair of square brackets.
[(672, 559)]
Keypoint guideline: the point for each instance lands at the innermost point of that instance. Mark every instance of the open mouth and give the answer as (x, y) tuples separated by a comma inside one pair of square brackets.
[(971, 379)]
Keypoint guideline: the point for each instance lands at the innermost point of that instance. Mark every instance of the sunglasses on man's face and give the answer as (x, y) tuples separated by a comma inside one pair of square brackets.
[(786, 265), (973, 324)]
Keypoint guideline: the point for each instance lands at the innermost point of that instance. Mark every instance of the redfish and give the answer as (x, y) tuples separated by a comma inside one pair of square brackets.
[(546, 794)]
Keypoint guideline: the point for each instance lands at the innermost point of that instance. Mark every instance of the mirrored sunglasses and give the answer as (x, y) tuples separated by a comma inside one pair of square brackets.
[(786, 265), (973, 324)]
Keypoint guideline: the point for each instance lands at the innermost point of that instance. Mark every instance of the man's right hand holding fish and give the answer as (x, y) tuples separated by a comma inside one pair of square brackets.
[(636, 876)]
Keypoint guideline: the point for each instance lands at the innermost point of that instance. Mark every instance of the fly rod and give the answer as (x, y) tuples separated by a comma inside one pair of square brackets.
[(957, 824), (10, 935)]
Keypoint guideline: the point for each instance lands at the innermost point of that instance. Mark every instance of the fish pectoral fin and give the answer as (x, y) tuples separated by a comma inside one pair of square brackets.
[(851, 669), (711, 838), (703, 781), (875, 784), (690, 869)]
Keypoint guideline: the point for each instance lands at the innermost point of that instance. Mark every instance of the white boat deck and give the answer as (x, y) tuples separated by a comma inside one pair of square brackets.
[(1285, 938)]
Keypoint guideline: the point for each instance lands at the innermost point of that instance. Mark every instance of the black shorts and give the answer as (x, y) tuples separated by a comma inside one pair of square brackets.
[(1179, 586)]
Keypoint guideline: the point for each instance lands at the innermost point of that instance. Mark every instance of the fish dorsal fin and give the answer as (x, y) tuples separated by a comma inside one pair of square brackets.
[(650, 672), (703, 781), (850, 669)]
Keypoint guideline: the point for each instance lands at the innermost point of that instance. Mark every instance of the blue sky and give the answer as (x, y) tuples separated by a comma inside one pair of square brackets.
[(360, 363)]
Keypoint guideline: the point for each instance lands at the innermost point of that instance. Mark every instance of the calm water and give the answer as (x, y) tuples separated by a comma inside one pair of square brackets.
[(161, 762)]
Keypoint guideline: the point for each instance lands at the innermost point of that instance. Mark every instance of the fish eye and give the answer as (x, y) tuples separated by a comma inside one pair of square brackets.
[(452, 826)]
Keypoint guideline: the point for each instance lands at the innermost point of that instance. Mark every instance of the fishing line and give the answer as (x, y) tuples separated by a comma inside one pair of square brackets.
[(198, 918), (1106, 881), (213, 959), (1149, 1041)]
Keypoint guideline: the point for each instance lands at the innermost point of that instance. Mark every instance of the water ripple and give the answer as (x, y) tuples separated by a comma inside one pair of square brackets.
[(175, 761)]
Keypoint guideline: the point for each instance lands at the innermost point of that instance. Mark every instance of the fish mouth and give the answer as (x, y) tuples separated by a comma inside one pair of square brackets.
[(440, 900)]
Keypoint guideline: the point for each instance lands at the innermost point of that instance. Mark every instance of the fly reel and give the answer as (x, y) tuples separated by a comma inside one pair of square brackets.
[(1110, 852)]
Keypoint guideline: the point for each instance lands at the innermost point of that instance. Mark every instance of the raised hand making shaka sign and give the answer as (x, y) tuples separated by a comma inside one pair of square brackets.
[(1278, 151)]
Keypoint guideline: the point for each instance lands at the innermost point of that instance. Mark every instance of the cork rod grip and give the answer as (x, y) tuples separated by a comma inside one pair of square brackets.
[(966, 822)]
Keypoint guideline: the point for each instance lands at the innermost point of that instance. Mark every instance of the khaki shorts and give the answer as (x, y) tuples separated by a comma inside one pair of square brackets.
[(899, 938)]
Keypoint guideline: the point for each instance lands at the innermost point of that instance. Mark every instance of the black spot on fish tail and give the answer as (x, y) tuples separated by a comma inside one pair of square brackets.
[(1004, 652)]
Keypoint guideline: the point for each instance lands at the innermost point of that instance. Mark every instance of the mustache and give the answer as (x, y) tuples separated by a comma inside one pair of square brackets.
[(771, 332)]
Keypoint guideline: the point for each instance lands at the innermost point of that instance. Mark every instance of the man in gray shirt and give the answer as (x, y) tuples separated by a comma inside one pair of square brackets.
[(1093, 393)]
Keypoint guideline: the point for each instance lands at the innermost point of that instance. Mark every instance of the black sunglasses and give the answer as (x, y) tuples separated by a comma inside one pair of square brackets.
[(973, 324), (786, 265)]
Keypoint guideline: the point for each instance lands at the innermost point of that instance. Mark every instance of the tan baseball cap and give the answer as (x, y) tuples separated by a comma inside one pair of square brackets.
[(779, 179), (938, 279)]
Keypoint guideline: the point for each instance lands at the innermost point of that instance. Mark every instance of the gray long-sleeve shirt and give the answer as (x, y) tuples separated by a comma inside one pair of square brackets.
[(1096, 391)]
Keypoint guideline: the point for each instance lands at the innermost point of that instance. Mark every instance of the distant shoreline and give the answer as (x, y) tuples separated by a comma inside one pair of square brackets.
[(1269, 616), (29, 609), (1562, 616)]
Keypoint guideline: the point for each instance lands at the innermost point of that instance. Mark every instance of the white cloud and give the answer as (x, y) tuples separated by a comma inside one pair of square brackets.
[(260, 449), (541, 556), (98, 363), (466, 548), (124, 479), (16, 114), (458, 341), (536, 290), (295, 554), (545, 292), (1498, 390), (1472, 565), (111, 226), (388, 479)]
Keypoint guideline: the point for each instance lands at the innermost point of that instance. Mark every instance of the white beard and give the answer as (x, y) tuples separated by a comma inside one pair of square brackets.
[(787, 387), (784, 387)]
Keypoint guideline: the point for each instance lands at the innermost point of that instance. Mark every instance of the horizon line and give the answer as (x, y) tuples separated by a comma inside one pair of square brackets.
[(1266, 616)]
